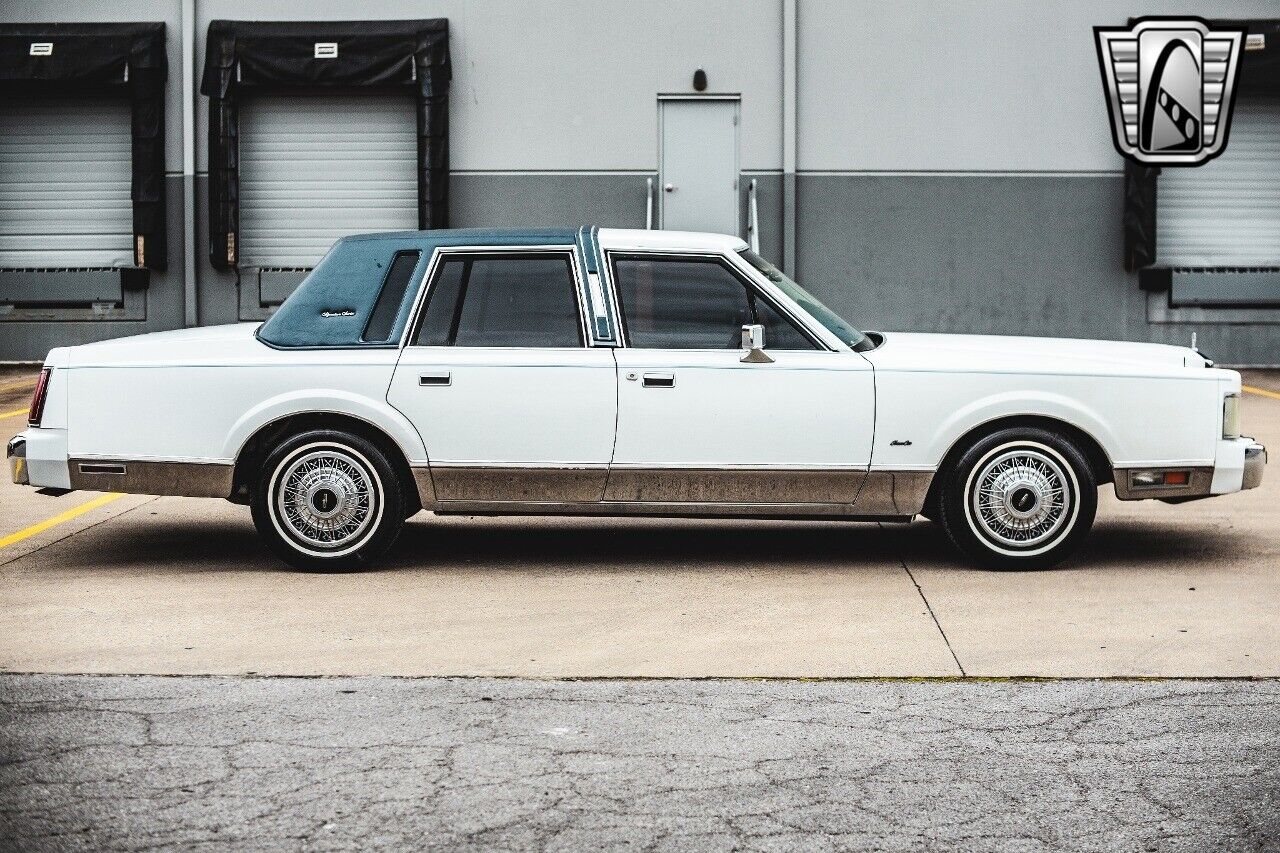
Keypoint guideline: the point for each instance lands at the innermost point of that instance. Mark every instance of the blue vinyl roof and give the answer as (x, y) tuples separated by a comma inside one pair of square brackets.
[(332, 305)]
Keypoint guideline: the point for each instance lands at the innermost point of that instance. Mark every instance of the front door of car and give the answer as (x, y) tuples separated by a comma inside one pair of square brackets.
[(510, 402), (698, 424)]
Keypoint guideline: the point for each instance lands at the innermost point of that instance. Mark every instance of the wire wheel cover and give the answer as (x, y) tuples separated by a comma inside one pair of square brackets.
[(1019, 498), (326, 498)]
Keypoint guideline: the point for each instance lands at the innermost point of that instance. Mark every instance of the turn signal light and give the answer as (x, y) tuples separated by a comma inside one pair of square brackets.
[(37, 398), (1152, 479)]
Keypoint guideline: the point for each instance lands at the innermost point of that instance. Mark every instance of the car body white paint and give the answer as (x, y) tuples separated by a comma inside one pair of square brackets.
[(198, 395)]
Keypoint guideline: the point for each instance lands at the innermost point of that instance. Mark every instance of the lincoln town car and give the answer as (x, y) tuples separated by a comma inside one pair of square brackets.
[(615, 372)]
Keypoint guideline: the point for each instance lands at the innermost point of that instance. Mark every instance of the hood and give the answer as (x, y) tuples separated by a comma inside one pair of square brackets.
[(181, 346), (908, 350)]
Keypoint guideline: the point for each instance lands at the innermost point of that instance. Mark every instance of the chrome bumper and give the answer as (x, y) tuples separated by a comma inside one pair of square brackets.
[(1255, 462), (16, 453)]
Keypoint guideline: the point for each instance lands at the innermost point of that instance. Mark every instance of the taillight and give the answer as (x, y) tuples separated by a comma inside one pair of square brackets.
[(37, 399)]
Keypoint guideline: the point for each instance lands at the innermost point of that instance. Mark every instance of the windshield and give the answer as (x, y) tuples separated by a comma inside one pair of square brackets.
[(810, 303)]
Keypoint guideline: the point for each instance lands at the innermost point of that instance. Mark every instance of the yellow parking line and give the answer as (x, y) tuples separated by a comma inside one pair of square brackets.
[(74, 512), (13, 414), (1263, 391)]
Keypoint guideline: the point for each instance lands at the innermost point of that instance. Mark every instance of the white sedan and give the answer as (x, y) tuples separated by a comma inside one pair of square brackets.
[(614, 372)]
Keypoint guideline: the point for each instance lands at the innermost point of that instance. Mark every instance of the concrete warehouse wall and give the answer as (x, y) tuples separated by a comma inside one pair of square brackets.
[(955, 169)]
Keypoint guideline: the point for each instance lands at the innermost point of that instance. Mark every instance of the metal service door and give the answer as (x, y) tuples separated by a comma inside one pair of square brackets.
[(699, 164)]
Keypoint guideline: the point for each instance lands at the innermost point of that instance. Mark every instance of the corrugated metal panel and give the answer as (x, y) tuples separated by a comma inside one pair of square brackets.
[(65, 176), (316, 167), (1226, 212)]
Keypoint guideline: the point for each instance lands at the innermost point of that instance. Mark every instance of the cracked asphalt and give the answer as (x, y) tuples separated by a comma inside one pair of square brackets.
[(135, 763)]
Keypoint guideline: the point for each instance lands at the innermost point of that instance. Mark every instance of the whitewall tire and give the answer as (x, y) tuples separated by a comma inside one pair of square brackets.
[(1020, 498), (328, 500)]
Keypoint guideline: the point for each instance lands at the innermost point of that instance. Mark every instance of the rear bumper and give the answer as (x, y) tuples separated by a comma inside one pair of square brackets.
[(16, 455), (38, 457), (1239, 465)]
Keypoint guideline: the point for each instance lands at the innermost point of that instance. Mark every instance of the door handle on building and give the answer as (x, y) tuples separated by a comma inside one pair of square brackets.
[(670, 188), (436, 379), (659, 380)]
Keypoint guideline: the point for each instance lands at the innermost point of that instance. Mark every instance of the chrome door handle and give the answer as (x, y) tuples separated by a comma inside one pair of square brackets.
[(669, 188), (435, 379), (659, 380)]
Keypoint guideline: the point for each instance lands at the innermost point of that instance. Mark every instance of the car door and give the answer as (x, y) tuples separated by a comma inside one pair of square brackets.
[(511, 403), (697, 423)]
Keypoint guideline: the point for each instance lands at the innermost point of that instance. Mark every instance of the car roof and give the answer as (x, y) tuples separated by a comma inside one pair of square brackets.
[(638, 238)]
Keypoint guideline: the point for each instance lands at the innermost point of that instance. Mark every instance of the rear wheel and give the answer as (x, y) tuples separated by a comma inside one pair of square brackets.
[(327, 500), (1021, 498)]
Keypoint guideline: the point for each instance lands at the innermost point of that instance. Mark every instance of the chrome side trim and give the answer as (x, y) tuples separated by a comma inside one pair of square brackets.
[(1199, 484), (460, 483), (797, 511), (426, 488), (894, 492), (772, 492), (180, 479), (747, 486)]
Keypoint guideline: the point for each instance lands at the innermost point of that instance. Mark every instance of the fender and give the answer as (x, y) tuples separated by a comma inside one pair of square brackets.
[(318, 400), (1013, 404)]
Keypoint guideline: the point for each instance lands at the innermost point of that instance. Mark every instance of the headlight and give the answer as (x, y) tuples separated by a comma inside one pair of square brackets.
[(1231, 416)]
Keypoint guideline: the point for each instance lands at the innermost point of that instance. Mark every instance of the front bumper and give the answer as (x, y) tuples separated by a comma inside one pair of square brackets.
[(1255, 462), (16, 454), (1239, 465)]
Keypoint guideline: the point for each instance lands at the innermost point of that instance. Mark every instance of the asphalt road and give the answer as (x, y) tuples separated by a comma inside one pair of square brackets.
[(111, 763)]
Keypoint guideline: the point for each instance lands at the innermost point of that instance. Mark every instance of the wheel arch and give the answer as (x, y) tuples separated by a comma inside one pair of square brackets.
[(1093, 451), (254, 450)]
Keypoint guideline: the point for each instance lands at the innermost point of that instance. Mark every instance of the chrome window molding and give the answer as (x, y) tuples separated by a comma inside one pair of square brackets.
[(750, 279), (443, 253)]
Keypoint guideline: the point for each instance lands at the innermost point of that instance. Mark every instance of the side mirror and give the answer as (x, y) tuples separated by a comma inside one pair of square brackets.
[(753, 342)]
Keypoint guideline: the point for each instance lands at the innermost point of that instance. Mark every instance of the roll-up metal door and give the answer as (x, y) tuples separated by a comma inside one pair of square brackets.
[(1226, 213), (65, 178), (316, 167)]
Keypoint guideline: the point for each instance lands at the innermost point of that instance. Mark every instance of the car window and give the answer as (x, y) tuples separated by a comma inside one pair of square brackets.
[(382, 320), (502, 301), (694, 303)]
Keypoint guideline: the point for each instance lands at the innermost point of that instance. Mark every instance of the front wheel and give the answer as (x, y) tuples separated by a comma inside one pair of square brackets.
[(327, 500), (1021, 498)]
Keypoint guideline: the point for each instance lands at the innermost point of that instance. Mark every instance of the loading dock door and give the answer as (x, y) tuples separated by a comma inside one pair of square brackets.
[(316, 167), (65, 179), (1226, 213), (699, 164)]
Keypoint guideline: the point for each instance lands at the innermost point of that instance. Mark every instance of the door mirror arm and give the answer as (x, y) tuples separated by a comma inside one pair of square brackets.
[(753, 343)]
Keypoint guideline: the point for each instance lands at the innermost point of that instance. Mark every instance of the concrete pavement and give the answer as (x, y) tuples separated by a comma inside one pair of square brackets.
[(171, 585)]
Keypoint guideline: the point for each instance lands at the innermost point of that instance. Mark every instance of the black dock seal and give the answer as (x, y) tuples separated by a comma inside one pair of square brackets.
[(113, 60), (256, 56)]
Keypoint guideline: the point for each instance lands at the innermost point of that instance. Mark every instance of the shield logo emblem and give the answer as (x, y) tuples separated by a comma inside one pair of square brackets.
[(1171, 84)]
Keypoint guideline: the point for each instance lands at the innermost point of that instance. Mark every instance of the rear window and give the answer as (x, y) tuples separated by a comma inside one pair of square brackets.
[(383, 319)]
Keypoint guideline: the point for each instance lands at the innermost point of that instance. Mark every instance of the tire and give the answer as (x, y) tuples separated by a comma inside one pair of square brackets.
[(1022, 498), (328, 501)]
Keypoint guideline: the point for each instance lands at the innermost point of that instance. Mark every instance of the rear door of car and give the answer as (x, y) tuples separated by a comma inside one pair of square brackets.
[(498, 376)]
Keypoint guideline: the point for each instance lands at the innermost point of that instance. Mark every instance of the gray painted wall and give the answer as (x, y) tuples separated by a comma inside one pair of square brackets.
[(955, 167)]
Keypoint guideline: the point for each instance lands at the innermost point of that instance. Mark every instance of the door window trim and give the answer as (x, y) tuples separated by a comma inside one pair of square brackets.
[(441, 254), (753, 288)]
